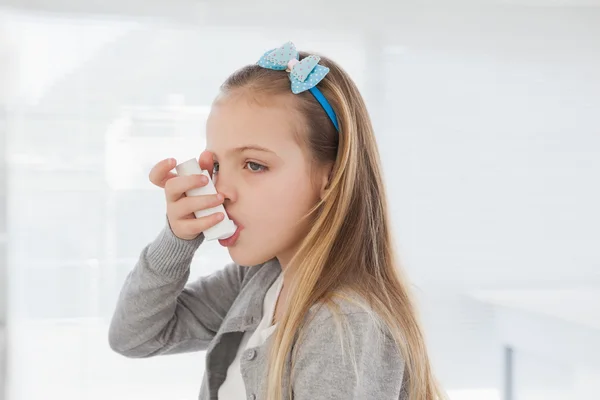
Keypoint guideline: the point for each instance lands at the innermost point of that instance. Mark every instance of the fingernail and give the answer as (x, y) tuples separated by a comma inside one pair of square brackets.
[(220, 216), (203, 179), (220, 197)]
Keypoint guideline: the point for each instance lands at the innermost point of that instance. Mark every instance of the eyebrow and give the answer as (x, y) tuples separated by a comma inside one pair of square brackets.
[(251, 147)]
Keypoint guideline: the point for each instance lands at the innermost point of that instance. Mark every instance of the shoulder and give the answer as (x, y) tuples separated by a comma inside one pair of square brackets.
[(344, 306), (350, 321)]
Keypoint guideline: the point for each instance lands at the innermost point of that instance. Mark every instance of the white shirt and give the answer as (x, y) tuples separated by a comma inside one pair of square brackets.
[(233, 387)]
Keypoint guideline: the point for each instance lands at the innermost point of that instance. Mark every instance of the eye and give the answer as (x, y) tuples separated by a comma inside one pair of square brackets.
[(255, 167), (215, 167)]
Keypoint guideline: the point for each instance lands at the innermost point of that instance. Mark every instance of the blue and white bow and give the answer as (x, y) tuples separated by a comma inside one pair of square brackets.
[(304, 74)]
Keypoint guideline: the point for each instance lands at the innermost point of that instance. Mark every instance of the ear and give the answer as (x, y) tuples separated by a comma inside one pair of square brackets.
[(325, 179)]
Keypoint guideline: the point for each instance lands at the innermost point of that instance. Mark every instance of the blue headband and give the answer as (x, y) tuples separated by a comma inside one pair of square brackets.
[(304, 75)]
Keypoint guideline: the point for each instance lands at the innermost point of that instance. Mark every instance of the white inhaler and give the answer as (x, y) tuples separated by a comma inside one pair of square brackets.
[(223, 229)]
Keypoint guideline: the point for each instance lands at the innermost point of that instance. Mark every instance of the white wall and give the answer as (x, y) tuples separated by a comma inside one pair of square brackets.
[(5, 70), (491, 146)]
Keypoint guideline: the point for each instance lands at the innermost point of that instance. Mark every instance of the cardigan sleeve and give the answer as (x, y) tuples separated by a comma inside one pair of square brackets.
[(159, 312)]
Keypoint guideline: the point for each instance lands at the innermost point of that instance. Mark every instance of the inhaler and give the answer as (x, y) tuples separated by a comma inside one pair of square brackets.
[(224, 229)]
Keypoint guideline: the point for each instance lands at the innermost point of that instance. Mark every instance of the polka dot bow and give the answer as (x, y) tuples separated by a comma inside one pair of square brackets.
[(304, 74)]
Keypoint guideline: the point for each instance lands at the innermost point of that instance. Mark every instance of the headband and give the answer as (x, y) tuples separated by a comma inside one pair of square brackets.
[(304, 75)]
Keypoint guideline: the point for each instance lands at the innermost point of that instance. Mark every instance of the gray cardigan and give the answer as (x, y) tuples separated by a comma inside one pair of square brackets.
[(159, 312)]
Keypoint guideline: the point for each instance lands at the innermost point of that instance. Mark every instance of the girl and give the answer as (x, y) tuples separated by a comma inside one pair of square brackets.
[(313, 305)]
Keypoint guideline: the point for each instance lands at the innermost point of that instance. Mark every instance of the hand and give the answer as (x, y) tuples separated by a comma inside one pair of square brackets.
[(180, 208)]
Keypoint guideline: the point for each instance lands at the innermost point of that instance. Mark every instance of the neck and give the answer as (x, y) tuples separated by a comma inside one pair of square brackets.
[(284, 260)]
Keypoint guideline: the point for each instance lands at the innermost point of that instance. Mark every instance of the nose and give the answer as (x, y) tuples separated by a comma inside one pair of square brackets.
[(225, 184)]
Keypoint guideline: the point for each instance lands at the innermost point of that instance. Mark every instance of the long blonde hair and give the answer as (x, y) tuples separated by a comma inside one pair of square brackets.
[(349, 247)]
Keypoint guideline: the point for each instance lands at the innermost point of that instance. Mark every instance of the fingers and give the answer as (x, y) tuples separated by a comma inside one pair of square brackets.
[(177, 186), (160, 173), (186, 206), (191, 228), (181, 208)]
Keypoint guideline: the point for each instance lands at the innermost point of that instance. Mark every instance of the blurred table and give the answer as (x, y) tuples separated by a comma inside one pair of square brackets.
[(561, 325)]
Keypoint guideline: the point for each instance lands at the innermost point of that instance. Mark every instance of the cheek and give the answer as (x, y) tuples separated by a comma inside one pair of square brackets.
[(294, 198), (274, 218), (283, 203)]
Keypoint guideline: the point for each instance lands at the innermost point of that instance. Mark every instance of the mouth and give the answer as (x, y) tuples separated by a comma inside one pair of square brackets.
[(230, 241)]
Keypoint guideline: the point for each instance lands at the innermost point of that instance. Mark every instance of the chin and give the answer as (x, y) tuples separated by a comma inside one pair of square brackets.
[(246, 258)]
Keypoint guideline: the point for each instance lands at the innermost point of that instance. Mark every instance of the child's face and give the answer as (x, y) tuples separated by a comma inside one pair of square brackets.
[(267, 192)]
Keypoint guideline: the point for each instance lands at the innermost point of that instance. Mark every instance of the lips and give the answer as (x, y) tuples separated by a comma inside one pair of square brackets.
[(230, 241)]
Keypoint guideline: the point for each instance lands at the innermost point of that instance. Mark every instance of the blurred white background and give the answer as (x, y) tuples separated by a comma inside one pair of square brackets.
[(487, 116)]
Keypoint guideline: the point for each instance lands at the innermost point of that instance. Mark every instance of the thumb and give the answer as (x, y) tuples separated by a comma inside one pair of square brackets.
[(206, 161)]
